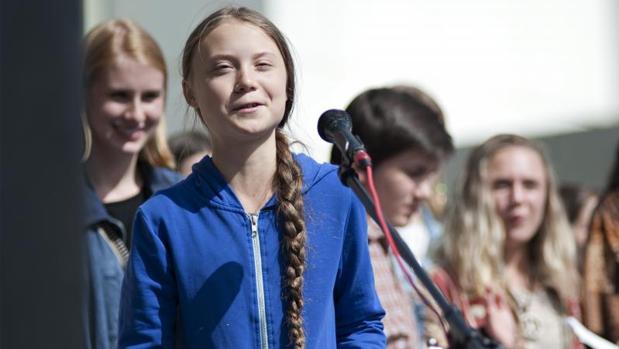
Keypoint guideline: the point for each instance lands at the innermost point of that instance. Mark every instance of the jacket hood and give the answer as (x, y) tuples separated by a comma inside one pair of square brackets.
[(212, 183)]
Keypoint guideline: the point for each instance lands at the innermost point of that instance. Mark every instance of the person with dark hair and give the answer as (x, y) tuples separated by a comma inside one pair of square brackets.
[(188, 149), (127, 158), (601, 264), (258, 247), (403, 131), (579, 203)]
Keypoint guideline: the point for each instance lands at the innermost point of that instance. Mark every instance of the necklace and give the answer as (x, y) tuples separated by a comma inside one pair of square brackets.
[(530, 324)]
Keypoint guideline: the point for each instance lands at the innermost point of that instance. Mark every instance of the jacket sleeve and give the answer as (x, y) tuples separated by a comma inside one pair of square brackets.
[(357, 307), (595, 277), (149, 298)]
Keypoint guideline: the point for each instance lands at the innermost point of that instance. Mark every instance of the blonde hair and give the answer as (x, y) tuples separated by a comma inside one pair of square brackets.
[(102, 47), (472, 248)]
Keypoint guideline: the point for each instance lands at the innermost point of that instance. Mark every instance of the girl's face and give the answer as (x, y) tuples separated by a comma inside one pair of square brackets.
[(405, 181), (517, 179), (238, 82), (125, 104)]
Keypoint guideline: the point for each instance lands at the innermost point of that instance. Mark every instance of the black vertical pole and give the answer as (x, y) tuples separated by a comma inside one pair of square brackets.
[(40, 250)]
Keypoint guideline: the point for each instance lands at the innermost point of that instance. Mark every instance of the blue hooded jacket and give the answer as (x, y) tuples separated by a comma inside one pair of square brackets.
[(195, 249)]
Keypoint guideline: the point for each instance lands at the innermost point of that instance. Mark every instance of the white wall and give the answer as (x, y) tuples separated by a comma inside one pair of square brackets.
[(524, 66)]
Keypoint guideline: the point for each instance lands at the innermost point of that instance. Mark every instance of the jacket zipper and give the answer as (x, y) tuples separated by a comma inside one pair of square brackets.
[(114, 239), (255, 239)]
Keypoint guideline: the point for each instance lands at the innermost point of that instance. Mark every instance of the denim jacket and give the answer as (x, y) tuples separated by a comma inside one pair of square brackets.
[(106, 256)]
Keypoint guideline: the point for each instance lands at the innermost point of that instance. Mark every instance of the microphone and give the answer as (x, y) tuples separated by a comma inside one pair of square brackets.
[(335, 126)]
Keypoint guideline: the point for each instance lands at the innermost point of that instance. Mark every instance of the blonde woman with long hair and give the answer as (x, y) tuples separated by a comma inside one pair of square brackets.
[(126, 160), (507, 258)]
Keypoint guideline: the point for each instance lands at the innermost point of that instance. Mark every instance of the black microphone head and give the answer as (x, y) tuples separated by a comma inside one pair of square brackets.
[(331, 121)]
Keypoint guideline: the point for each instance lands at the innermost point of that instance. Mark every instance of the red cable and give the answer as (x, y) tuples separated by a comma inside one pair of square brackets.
[(392, 245)]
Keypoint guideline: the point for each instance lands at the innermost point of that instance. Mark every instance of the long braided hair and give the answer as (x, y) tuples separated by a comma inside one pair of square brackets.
[(288, 182), (288, 179)]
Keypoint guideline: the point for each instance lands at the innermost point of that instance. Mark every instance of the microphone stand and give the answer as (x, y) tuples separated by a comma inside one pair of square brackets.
[(461, 336)]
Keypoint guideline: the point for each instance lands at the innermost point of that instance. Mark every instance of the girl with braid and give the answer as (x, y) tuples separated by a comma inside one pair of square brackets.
[(258, 247)]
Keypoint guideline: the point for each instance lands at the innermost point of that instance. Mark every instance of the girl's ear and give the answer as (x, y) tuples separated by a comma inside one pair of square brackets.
[(188, 93)]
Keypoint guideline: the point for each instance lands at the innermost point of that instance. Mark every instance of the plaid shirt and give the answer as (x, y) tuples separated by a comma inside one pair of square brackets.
[(399, 321)]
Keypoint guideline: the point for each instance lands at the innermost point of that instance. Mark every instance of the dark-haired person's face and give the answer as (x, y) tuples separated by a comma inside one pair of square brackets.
[(405, 181), (238, 82), (125, 104), (517, 179)]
